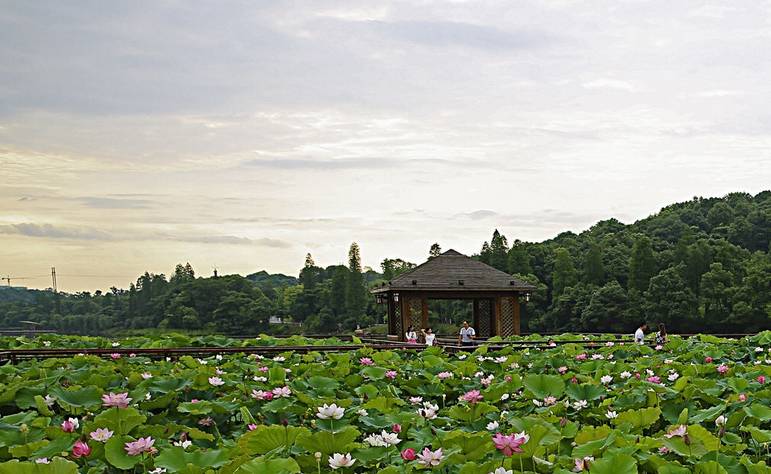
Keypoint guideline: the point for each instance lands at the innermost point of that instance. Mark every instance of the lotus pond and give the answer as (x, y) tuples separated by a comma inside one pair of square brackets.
[(695, 405)]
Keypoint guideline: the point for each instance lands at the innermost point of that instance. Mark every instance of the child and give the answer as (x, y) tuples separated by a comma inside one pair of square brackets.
[(411, 335)]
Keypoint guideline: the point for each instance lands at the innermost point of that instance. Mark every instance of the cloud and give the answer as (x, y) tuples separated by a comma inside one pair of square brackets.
[(479, 215), (54, 232), (49, 231), (719, 93), (451, 33), (343, 163), (114, 203), (609, 84)]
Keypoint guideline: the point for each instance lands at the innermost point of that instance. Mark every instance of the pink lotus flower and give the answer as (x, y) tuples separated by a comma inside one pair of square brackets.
[(70, 425), (708, 360), (549, 401), (430, 458), (659, 347), (562, 370), (101, 435), (115, 356), (260, 395), (391, 374), (396, 428), (216, 381), (663, 450), (472, 396), (366, 361), (654, 379), (142, 445), (251, 426), (507, 378), (195, 400), (681, 431), (583, 464), (263, 369), (118, 400), (282, 392), (510, 444), (581, 356), (761, 379), (573, 379), (408, 454), (722, 369), (742, 397), (444, 375), (80, 449)]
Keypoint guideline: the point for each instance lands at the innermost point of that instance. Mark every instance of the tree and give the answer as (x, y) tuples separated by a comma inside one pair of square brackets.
[(393, 267), (309, 274), (484, 255), (564, 275), (608, 310), (499, 249), (520, 259), (642, 264), (337, 295), (355, 296), (670, 300), (434, 251), (716, 290), (594, 272)]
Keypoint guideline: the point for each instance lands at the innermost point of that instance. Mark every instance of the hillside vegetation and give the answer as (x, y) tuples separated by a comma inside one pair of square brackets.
[(698, 266)]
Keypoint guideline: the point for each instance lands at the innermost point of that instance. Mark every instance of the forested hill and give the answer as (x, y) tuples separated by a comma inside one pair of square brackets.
[(702, 265)]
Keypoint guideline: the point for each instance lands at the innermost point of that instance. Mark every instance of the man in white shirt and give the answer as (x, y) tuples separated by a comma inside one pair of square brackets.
[(639, 335), (467, 335)]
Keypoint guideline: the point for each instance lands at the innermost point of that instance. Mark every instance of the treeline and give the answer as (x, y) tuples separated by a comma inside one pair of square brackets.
[(698, 266)]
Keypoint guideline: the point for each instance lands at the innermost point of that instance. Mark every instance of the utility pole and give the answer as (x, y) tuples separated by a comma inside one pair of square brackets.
[(53, 278), (57, 302)]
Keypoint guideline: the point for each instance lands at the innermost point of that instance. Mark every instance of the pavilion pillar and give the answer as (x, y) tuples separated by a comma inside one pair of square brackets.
[(496, 325), (515, 304), (406, 315), (475, 314), (424, 312)]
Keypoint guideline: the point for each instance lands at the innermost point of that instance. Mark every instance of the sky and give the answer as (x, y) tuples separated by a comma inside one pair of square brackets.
[(243, 134)]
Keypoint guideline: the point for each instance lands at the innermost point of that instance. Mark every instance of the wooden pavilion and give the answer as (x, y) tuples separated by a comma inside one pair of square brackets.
[(495, 294)]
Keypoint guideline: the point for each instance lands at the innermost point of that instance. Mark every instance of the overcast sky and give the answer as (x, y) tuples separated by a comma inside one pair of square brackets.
[(135, 135)]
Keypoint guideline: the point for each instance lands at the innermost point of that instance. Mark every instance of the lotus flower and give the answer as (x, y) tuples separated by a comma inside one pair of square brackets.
[(611, 414), (472, 396), (70, 424), (416, 400), (408, 454), (101, 435), (42, 461), (115, 356), (430, 458), (444, 375), (720, 421), (562, 370), (761, 379), (80, 449), (742, 397), (428, 411), (142, 445), (330, 411), (338, 460), (708, 360), (508, 444), (680, 430), (654, 379), (118, 400), (147, 375), (216, 381), (502, 470), (606, 379), (625, 374), (396, 428), (583, 464), (251, 427), (391, 374), (366, 361), (282, 392), (492, 426)]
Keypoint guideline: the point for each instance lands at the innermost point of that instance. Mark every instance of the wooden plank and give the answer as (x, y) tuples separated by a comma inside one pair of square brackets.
[(515, 302)]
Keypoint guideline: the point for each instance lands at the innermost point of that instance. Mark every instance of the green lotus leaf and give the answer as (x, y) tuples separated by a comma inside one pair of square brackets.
[(176, 458), (264, 439), (542, 385)]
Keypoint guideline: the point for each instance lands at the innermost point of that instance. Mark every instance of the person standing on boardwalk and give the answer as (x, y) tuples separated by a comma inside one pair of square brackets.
[(661, 335), (411, 335), (467, 335), (639, 335), (428, 336)]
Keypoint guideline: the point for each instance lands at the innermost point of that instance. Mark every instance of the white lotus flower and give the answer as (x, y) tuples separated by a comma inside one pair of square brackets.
[(338, 460), (625, 374), (492, 426), (606, 379), (502, 470), (720, 421), (330, 411), (580, 404), (611, 414)]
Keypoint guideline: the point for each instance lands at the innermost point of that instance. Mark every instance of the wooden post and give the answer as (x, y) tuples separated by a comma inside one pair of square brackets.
[(496, 325), (406, 315), (424, 311), (475, 314), (515, 303)]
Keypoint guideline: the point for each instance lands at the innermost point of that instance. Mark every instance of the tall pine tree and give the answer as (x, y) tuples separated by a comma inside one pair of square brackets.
[(435, 250), (499, 249), (355, 295)]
